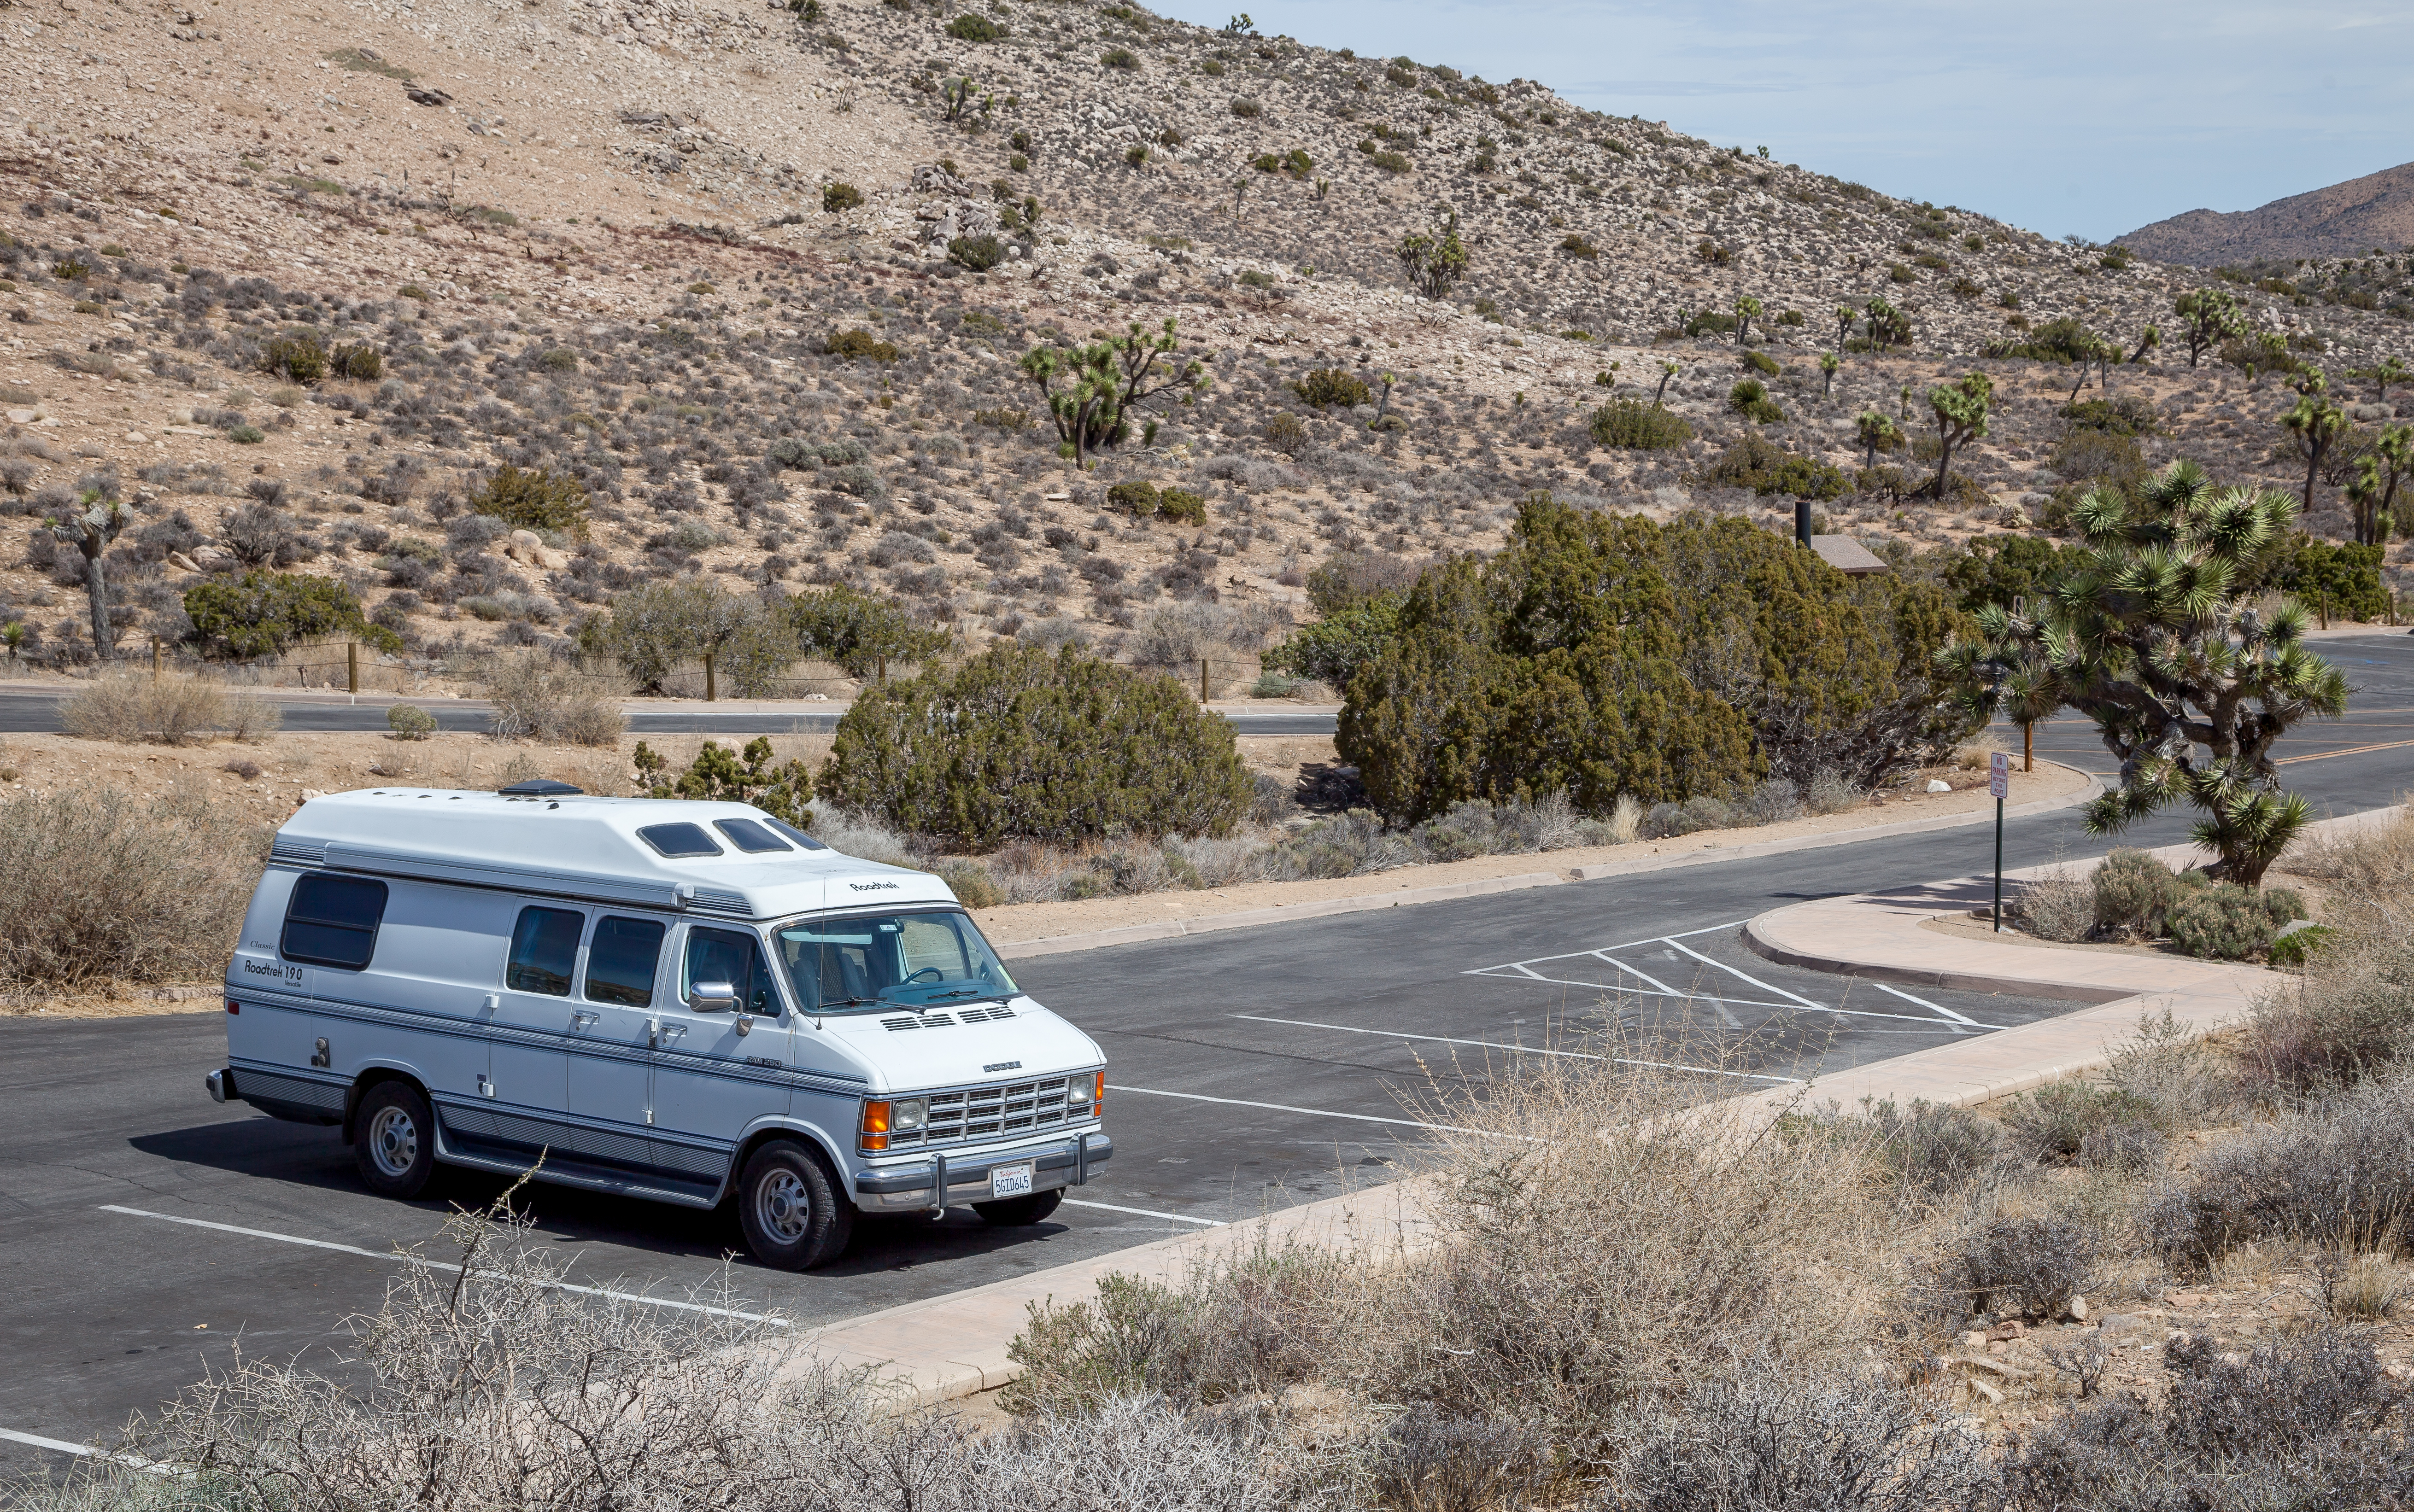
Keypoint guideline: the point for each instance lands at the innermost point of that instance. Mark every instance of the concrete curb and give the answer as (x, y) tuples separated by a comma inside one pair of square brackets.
[(1332, 907)]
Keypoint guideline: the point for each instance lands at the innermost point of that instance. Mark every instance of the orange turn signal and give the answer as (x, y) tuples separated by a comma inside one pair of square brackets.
[(876, 1125)]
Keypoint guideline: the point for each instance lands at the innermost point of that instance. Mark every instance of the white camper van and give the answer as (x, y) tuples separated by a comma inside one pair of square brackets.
[(692, 1002)]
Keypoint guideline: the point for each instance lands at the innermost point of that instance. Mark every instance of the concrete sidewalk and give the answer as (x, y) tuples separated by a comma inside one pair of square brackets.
[(955, 1346)]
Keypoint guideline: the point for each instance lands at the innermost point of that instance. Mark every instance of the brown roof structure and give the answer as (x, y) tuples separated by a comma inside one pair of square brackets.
[(1847, 555)]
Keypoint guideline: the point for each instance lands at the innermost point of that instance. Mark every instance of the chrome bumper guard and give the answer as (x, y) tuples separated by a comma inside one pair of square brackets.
[(959, 1181), (220, 1085)]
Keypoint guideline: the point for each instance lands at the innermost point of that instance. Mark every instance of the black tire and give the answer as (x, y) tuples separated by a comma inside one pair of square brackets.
[(1019, 1212), (791, 1208), (393, 1140)]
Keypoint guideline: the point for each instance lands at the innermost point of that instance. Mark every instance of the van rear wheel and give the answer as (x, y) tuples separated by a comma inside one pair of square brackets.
[(396, 1141), (1019, 1212), (792, 1211)]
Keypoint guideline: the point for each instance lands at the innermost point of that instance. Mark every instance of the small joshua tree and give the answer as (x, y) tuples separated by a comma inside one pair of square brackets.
[(1828, 363), (2314, 423), (1878, 432), (2160, 634), (2373, 495), (1092, 390), (2208, 318), (1435, 260), (97, 521), (1745, 309), (1667, 370), (1960, 409)]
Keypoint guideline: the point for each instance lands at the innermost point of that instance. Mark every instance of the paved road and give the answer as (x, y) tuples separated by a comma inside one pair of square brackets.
[(28, 712), (1250, 1068)]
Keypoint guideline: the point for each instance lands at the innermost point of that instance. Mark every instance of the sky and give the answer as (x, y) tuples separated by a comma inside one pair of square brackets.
[(2059, 116)]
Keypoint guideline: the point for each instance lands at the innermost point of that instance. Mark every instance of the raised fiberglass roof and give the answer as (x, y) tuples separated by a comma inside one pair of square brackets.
[(723, 858)]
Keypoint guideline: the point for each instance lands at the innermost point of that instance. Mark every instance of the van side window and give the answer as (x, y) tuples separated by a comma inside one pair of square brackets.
[(727, 956), (333, 921), (544, 948), (621, 961)]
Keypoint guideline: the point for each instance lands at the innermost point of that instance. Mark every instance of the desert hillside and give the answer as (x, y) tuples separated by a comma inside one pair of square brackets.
[(698, 258), (2359, 218)]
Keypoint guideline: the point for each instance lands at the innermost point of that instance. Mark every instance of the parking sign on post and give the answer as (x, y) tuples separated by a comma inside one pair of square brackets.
[(1999, 783)]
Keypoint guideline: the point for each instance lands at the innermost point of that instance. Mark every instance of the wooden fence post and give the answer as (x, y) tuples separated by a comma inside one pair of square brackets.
[(710, 690), (352, 667)]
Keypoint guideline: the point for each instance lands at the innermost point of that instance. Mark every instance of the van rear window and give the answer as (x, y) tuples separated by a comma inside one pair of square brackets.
[(678, 839), (333, 921), (621, 961)]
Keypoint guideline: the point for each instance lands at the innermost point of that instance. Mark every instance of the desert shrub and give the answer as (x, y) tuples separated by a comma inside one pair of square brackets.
[(408, 721), (262, 613), (1756, 463), (1016, 743), (172, 709), (1504, 678), (1326, 386), (859, 631), (1390, 161), (973, 27), (357, 361), (1120, 59), (1750, 398), (300, 356), (2339, 1171), (972, 884), (1135, 496), (839, 196), (2032, 1266), (537, 698), (2175, 1080), (98, 885), (719, 775), (1349, 636), (1285, 433), (2340, 578), (979, 253), (2227, 922), (2056, 1120), (859, 345), (1180, 506), (1631, 424), (654, 629), (533, 499), (260, 534), (1934, 1148), (1786, 1437), (2058, 906), (2133, 893), (1247, 108), (2281, 1395)]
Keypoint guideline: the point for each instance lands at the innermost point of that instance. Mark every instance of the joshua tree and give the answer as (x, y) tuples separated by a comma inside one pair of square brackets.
[(1878, 432), (2149, 340), (1746, 308), (96, 521), (1104, 381), (2159, 634), (2208, 317), (1667, 371), (1845, 316), (2384, 373), (1960, 409), (2314, 424), (1828, 363), (2373, 495), (1435, 260)]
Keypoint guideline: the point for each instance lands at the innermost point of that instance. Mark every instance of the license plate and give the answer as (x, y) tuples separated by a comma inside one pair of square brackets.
[(1010, 1181)]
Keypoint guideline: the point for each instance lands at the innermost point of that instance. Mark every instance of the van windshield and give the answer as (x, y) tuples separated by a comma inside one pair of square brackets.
[(891, 961)]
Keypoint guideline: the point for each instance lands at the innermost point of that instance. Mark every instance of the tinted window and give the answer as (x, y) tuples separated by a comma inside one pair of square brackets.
[(727, 956), (750, 837), (621, 961), (544, 949), (333, 921), (797, 835), (678, 839), (916, 960)]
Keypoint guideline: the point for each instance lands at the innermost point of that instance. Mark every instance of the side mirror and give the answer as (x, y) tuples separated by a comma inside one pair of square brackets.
[(713, 998)]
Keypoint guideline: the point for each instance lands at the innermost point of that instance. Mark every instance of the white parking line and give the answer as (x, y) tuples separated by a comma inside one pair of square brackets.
[(1285, 1107), (1146, 1213), (1747, 980), (89, 1451), (396, 1257), (1933, 1007), (1520, 1049), (1630, 944)]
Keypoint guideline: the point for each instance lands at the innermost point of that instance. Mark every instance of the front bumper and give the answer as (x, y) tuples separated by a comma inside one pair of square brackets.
[(918, 1187)]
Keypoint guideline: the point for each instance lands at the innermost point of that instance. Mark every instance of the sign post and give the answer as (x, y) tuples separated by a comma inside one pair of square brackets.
[(1998, 782)]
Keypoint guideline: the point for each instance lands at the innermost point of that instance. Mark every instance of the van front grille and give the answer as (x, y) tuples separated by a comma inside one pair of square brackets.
[(987, 1112)]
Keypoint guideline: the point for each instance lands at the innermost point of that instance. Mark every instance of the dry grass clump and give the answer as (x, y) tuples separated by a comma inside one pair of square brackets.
[(99, 886), (538, 698), (2350, 1014), (485, 1384), (173, 708)]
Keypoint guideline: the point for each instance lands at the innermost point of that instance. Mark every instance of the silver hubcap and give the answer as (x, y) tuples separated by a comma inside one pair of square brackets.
[(784, 1207), (394, 1142)]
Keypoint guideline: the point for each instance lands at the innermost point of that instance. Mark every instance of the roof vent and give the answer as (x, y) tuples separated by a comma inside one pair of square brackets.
[(541, 787)]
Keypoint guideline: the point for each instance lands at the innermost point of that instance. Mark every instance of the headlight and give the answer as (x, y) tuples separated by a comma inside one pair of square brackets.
[(1077, 1089), (908, 1115)]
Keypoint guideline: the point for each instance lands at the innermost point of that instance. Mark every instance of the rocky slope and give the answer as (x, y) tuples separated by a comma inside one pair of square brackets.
[(2359, 218), (592, 237)]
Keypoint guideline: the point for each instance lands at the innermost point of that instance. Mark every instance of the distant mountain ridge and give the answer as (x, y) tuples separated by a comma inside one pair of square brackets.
[(2344, 220)]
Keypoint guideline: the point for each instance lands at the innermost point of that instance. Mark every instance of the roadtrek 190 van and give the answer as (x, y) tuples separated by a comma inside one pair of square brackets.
[(692, 1002)]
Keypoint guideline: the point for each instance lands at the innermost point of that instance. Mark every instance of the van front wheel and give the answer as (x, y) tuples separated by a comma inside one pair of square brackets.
[(395, 1142), (791, 1211)]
